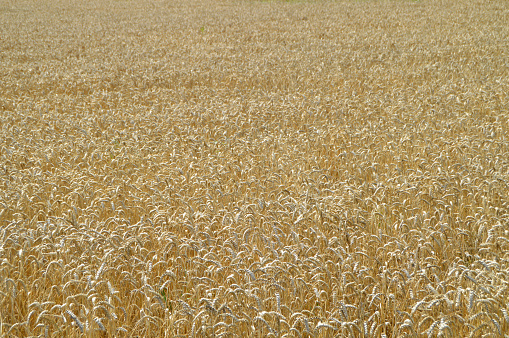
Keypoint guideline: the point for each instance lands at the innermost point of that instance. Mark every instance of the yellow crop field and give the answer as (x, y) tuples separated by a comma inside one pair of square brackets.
[(254, 168)]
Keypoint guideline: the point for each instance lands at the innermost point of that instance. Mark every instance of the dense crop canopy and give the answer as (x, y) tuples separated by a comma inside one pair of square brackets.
[(248, 168)]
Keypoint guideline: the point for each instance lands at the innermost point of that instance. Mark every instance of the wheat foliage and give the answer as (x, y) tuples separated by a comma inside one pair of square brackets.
[(248, 168)]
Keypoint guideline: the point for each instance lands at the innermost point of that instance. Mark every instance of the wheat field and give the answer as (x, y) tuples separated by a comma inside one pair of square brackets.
[(254, 168)]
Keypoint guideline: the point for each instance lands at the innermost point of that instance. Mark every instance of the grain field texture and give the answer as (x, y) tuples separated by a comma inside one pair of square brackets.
[(254, 168)]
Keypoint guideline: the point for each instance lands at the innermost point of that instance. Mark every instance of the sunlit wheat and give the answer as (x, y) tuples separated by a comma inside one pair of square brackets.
[(251, 168)]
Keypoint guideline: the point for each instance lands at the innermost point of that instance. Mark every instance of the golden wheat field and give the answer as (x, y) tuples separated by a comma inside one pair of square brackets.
[(254, 168)]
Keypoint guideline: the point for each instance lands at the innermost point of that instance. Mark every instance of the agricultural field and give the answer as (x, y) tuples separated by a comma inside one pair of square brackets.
[(254, 168)]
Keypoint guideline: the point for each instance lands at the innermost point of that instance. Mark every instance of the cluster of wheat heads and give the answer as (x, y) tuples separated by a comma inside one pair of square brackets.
[(254, 169)]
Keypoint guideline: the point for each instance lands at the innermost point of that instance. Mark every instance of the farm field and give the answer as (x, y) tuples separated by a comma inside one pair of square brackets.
[(254, 168)]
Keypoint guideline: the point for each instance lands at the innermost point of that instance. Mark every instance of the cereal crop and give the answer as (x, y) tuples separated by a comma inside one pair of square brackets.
[(254, 168)]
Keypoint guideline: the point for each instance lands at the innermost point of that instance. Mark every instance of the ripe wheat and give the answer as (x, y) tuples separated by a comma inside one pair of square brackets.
[(250, 168)]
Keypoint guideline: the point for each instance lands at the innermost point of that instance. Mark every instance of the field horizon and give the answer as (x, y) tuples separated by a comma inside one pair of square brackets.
[(254, 168)]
